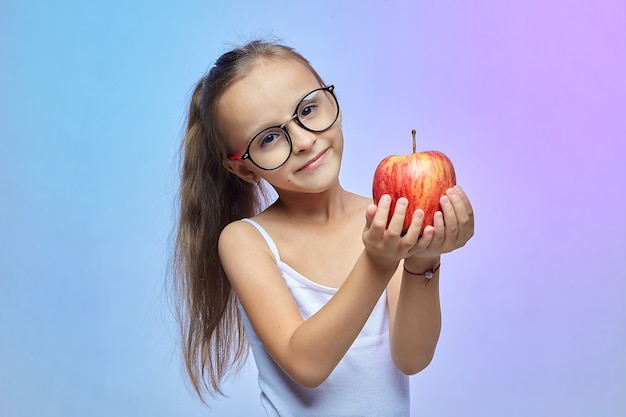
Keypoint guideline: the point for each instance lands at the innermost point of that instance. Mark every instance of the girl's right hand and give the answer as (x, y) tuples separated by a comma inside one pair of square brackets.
[(384, 244)]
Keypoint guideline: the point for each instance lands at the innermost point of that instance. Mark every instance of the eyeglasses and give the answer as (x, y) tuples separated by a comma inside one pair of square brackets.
[(271, 148)]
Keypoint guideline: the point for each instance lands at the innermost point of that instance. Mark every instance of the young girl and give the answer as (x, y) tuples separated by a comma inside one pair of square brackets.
[(337, 306)]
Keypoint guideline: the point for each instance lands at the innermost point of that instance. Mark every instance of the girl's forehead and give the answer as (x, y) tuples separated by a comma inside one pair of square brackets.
[(267, 94), (271, 87), (281, 75)]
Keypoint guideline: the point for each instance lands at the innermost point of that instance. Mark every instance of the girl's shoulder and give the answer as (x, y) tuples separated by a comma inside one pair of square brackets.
[(242, 237), (358, 203), (362, 200)]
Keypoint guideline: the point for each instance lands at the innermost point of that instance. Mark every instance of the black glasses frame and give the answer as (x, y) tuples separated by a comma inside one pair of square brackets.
[(294, 116)]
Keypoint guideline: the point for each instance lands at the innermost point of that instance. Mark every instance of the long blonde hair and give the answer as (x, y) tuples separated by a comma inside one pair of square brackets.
[(210, 197)]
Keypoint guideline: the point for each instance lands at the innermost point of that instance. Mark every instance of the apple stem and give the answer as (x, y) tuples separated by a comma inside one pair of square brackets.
[(413, 134)]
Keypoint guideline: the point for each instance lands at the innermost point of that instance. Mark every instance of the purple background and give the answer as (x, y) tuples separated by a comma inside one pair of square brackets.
[(527, 98)]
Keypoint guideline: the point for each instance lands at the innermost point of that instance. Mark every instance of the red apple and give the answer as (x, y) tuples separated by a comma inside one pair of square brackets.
[(421, 177)]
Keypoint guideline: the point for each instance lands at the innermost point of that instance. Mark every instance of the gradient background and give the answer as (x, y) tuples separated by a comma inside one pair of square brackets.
[(528, 98)]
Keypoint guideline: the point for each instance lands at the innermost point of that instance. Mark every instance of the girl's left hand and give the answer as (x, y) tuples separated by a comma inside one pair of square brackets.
[(453, 226)]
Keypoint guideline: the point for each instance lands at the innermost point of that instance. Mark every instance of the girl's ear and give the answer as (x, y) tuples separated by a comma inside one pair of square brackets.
[(239, 169)]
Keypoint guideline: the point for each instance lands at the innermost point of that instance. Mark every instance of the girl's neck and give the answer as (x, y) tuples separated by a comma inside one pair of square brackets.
[(320, 208)]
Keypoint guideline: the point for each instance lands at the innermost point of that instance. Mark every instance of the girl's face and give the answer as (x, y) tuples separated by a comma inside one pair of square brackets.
[(268, 96)]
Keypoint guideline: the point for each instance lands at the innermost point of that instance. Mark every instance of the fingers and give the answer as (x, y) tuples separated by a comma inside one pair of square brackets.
[(383, 237), (448, 210), (397, 219), (382, 224), (413, 232), (452, 226), (379, 217), (439, 230), (461, 193), (425, 240), (463, 213), (376, 217), (370, 211)]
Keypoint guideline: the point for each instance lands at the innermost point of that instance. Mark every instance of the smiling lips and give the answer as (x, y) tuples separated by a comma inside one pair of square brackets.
[(315, 162)]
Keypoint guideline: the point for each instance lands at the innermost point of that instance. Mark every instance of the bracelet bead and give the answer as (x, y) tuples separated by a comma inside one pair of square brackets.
[(428, 274)]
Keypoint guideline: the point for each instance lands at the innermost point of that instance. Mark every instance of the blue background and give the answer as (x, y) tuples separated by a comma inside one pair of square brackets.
[(528, 98)]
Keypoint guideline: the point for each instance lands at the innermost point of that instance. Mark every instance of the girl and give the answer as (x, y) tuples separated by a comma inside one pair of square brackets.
[(331, 299)]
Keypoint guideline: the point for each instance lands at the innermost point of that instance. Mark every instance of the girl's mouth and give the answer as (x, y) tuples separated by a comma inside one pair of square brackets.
[(315, 162)]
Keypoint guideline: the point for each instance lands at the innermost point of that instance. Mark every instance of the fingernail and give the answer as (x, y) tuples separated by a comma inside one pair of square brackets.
[(403, 202), (445, 200)]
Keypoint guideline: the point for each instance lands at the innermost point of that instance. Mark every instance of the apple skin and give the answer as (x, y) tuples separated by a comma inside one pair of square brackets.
[(421, 177)]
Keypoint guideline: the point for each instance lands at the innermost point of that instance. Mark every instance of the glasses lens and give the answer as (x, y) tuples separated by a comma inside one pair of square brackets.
[(270, 148), (318, 111)]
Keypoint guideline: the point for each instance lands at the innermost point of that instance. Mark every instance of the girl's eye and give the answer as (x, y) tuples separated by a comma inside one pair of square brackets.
[(307, 110), (269, 138)]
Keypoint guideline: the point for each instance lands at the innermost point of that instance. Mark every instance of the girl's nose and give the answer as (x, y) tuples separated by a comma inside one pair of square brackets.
[(301, 139)]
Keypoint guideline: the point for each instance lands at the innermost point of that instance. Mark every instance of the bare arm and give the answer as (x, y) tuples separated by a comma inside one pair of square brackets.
[(309, 350), (416, 318), (414, 306)]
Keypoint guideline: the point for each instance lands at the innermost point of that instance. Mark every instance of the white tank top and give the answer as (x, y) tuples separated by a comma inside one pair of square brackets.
[(365, 383)]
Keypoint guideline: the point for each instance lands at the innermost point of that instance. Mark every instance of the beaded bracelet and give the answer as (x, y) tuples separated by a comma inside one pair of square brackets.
[(428, 274)]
